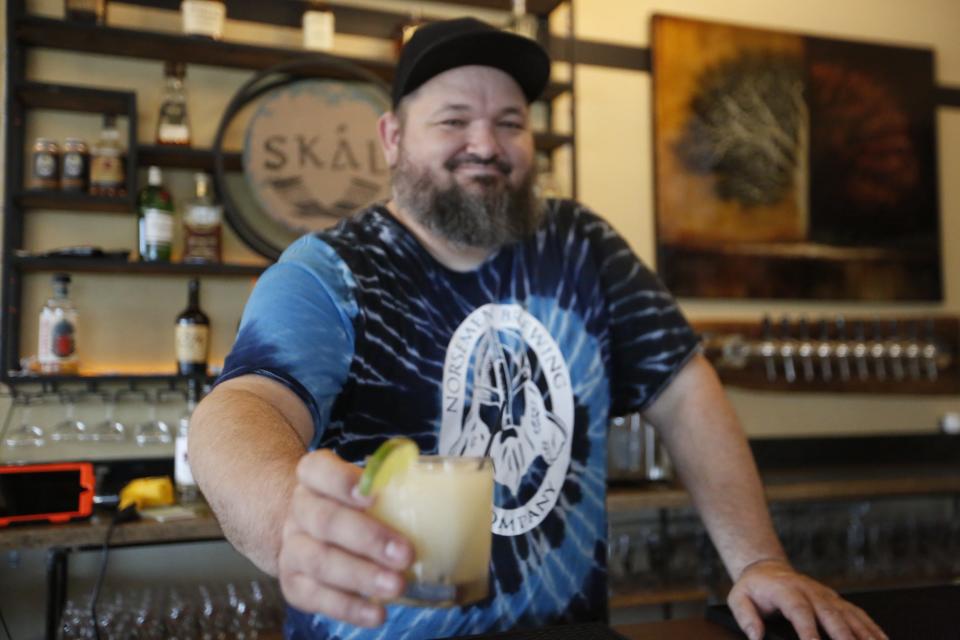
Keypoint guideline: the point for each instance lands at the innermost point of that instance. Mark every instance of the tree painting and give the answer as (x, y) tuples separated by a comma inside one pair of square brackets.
[(793, 167)]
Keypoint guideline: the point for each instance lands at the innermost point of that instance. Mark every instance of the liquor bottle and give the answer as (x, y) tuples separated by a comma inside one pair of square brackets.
[(155, 219), (202, 218), (173, 125), (319, 25), (523, 23), (203, 18), (90, 11), (192, 335), (108, 162), (57, 344), (406, 30), (187, 490)]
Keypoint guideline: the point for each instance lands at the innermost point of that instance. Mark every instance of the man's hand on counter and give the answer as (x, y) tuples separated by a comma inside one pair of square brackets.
[(768, 586)]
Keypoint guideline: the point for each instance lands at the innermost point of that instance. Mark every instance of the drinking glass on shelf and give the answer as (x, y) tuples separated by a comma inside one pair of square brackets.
[(109, 429), (21, 430), (71, 428), (153, 430)]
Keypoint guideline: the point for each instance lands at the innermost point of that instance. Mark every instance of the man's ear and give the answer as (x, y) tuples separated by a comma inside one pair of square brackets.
[(388, 126)]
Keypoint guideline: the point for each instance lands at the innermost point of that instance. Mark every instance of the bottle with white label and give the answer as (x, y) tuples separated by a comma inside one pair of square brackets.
[(57, 344), (187, 490), (202, 218), (203, 18), (155, 218), (173, 122), (192, 335), (319, 25), (523, 23)]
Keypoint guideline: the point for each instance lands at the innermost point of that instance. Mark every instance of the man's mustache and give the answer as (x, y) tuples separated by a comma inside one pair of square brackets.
[(499, 164)]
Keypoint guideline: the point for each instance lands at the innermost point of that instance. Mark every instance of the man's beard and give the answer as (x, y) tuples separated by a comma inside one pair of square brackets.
[(487, 219)]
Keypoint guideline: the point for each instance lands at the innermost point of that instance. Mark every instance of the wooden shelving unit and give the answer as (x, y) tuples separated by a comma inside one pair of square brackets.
[(26, 32), (95, 265)]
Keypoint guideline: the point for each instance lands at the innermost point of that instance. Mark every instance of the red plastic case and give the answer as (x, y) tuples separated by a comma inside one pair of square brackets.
[(38, 492)]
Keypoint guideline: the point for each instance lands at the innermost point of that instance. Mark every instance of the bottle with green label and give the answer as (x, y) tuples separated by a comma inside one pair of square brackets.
[(155, 217)]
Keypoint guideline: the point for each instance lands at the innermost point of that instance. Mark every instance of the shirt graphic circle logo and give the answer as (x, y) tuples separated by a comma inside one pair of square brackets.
[(507, 395)]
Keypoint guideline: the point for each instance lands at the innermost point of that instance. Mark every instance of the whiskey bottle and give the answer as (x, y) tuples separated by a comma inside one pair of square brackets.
[(155, 219), (203, 18), (192, 334), (405, 31), (202, 218), (57, 344), (523, 23), (90, 11), (319, 25), (173, 125), (108, 173)]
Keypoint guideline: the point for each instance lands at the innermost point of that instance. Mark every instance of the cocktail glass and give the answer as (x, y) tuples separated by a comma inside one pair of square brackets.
[(444, 506)]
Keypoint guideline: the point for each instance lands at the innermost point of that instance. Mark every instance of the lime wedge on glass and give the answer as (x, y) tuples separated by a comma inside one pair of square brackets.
[(391, 458)]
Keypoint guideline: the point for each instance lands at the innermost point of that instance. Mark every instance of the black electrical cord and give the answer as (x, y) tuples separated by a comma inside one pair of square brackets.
[(122, 515), (3, 622)]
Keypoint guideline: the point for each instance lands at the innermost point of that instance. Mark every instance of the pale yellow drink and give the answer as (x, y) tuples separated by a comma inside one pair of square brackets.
[(444, 506)]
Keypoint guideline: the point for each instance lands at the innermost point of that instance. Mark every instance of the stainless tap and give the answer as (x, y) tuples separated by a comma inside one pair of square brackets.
[(787, 350), (824, 352), (878, 351), (768, 349), (911, 350), (805, 350), (895, 351), (842, 349), (860, 350), (929, 351)]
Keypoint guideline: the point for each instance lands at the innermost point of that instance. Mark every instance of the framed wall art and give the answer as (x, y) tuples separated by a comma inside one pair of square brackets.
[(792, 166)]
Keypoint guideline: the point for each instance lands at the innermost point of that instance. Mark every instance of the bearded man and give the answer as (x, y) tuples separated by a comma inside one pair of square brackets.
[(472, 317)]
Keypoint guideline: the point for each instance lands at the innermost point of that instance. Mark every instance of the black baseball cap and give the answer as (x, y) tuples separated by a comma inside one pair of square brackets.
[(440, 46)]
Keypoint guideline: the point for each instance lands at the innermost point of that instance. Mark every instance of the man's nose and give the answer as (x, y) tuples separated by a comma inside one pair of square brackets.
[(482, 141)]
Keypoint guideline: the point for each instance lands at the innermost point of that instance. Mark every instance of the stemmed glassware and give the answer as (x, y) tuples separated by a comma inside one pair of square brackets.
[(71, 428), (153, 430), (21, 430), (109, 429)]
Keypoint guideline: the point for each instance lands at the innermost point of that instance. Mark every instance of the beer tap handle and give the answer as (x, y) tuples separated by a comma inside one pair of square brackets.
[(912, 350), (929, 350), (895, 351), (805, 350), (878, 352), (860, 350), (825, 352), (768, 349), (842, 350), (787, 350)]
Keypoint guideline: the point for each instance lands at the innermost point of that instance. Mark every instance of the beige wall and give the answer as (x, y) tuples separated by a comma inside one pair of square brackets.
[(126, 321)]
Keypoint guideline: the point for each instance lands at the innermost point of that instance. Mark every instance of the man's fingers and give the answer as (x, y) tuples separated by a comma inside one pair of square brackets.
[(746, 614), (306, 594), (801, 615), (352, 530), (346, 572), (848, 616), (325, 473)]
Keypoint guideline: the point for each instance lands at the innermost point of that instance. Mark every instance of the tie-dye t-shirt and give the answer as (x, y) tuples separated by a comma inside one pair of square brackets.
[(526, 357)]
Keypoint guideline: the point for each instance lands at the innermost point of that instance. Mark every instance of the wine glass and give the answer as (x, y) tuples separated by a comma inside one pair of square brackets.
[(71, 428), (153, 430), (109, 429), (26, 432)]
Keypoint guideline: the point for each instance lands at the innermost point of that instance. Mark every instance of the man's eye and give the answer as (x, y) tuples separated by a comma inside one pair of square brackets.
[(511, 124), (454, 122)]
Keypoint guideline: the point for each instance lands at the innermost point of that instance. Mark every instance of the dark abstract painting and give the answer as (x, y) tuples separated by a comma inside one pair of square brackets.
[(790, 166)]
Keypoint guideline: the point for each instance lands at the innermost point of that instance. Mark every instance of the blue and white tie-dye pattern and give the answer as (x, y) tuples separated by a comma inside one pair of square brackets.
[(524, 358)]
